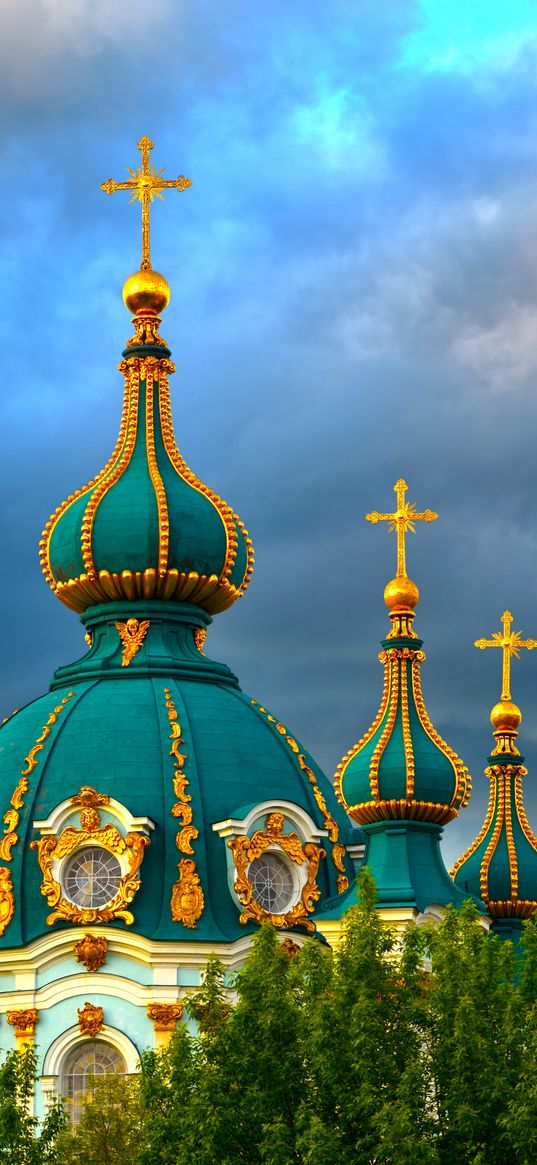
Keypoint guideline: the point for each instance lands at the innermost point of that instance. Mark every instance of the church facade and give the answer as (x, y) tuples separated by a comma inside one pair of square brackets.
[(153, 812)]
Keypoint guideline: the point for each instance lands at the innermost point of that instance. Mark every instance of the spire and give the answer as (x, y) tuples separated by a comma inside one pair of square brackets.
[(501, 864), (146, 528), (401, 770)]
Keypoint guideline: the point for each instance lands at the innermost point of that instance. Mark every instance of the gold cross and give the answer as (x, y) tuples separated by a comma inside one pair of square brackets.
[(402, 520), (146, 183), (510, 642)]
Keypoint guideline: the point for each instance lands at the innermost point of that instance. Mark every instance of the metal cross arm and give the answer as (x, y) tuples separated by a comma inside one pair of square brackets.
[(510, 643), (402, 521), (146, 184)]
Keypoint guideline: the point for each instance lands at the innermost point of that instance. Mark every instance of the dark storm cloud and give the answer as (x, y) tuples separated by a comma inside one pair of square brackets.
[(354, 299)]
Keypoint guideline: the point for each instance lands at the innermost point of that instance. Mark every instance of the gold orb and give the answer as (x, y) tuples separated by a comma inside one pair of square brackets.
[(401, 593), (146, 291), (505, 715)]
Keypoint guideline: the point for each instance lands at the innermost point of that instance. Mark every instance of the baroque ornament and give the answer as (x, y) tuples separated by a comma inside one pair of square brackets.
[(24, 1022), (91, 951), (132, 634), (187, 900), (52, 850), (90, 1019), (165, 1016), (246, 849)]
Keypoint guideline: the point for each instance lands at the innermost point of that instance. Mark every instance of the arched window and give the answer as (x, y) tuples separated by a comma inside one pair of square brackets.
[(92, 1058)]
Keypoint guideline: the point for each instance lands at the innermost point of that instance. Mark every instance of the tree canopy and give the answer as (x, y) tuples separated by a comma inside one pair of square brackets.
[(389, 1050)]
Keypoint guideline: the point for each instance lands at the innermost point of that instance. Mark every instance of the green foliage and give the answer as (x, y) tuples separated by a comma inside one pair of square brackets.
[(22, 1142), (109, 1130), (392, 1050)]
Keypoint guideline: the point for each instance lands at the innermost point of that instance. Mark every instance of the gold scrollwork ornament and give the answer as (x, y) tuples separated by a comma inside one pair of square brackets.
[(246, 849), (90, 1019), (51, 849)]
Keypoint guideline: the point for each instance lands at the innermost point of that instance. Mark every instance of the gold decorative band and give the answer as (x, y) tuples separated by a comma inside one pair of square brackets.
[(400, 810), (208, 591)]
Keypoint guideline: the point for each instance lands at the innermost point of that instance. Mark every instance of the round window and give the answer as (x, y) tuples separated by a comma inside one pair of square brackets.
[(272, 883), (91, 877)]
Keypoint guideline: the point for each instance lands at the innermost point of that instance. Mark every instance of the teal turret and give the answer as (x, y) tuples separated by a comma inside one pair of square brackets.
[(401, 782), (501, 864)]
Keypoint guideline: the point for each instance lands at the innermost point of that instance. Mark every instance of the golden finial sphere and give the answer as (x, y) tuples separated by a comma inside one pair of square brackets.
[(146, 291), (505, 715), (401, 593)]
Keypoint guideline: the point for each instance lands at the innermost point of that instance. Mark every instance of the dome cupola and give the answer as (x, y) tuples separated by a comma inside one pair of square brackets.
[(146, 528), (401, 782), (501, 864)]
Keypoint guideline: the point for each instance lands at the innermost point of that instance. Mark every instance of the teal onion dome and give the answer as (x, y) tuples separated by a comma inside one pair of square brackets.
[(402, 768), (500, 866), (401, 782), (146, 527)]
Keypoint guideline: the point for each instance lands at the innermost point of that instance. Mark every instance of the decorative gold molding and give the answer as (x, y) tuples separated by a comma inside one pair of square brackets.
[(246, 849), (291, 948), (90, 1019), (165, 1016), (330, 824), (153, 377), (7, 898), (50, 849), (399, 809), (200, 635), (24, 1022), (187, 901), (91, 951), (132, 634)]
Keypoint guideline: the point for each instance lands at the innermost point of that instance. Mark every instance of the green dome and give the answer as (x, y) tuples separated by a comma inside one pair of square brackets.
[(500, 866), (163, 749), (146, 527), (402, 768)]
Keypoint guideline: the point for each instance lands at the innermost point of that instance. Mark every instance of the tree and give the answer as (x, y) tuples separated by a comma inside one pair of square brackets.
[(22, 1140), (474, 1039), (109, 1130)]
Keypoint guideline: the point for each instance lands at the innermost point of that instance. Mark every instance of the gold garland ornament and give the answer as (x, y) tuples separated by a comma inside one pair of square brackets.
[(54, 849), (132, 634), (187, 900), (90, 1019), (246, 849)]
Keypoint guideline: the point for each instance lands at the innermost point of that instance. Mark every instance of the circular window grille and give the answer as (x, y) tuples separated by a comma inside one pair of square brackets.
[(91, 878), (94, 1058), (272, 883)]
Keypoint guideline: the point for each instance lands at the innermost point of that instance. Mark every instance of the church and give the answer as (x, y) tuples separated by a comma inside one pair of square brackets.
[(153, 812)]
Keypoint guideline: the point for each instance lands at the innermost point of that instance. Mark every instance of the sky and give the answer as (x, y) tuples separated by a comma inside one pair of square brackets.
[(354, 299)]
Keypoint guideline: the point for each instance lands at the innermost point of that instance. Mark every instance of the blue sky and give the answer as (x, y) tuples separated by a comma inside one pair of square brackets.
[(354, 277)]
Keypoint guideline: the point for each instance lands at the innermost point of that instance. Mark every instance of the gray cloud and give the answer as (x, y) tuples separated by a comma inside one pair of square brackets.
[(354, 289)]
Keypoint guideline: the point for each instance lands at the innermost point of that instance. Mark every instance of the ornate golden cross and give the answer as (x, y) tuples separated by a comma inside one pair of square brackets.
[(402, 520), (146, 183), (510, 642)]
